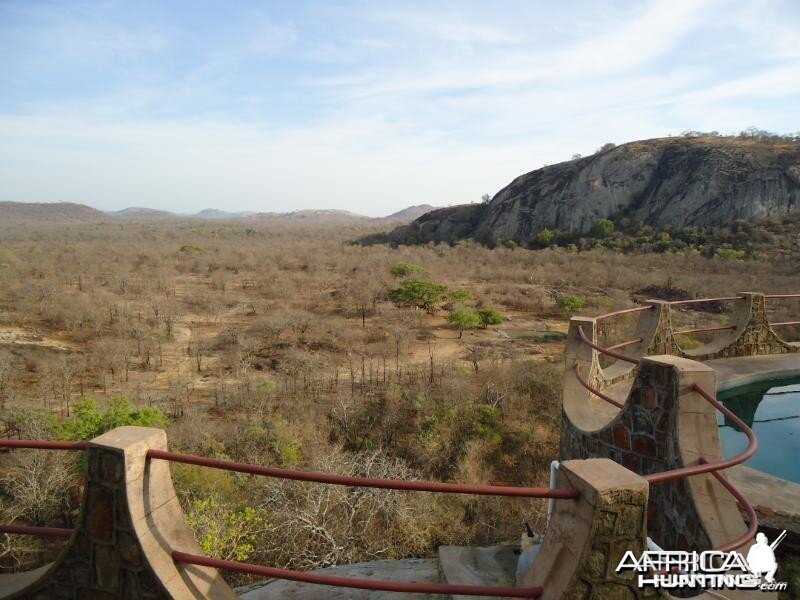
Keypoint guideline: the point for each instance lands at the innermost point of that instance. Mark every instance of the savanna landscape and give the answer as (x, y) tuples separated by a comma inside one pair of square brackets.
[(294, 346), (348, 238)]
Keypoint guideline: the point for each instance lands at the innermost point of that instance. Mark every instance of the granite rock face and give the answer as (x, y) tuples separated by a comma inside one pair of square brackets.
[(682, 181)]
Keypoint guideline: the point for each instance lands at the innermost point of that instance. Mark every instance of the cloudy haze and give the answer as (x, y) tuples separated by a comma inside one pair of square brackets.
[(364, 106)]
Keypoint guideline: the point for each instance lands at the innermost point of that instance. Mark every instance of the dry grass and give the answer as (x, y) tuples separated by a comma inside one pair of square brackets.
[(279, 346)]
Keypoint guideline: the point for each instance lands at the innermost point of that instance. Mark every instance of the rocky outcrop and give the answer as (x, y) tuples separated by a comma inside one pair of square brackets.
[(700, 181)]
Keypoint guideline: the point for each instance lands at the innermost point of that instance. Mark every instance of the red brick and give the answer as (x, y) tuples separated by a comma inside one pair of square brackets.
[(622, 437)]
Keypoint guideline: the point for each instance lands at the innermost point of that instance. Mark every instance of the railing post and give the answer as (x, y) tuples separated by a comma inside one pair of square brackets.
[(130, 523), (757, 337), (586, 538), (659, 324)]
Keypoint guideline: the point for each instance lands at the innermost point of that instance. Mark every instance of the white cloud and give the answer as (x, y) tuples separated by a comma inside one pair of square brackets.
[(415, 106)]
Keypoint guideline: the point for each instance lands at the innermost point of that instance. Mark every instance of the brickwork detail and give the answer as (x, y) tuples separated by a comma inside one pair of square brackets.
[(643, 438), (129, 524), (104, 559)]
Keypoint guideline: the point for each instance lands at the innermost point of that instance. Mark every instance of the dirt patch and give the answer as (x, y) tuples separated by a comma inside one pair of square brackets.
[(19, 336)]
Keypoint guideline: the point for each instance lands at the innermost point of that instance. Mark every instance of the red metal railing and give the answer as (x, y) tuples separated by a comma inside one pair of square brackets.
[(699, 329), (784, 323), (594, 391), (625, 311), (39, 445), (702, 300), (607, 351), (624, 344), (349, 480), (704, 466), (319, 477), (709, 467), (357, 582), (395, 484), (37, 531)]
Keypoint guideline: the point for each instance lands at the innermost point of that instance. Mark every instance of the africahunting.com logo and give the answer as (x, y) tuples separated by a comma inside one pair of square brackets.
[(708, 570)]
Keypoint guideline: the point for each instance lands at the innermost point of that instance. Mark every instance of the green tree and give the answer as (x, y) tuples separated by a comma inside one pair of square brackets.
[(89, 420), (460, 296), (603, 228), (489, 316), (571, 304), (464, 318), (729, 254), (544, 237), (404, 269), (414, 292), (222, 532)]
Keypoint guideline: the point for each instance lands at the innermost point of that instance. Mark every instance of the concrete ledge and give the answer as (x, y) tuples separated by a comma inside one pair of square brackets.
[(419, 570), (738, 371)]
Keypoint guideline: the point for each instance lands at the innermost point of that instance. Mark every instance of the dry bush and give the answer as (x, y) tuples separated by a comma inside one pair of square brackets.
[(315, 525), (277, 345)]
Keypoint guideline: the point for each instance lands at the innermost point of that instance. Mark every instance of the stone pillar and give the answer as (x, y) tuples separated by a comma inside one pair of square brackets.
[(130, 523), (757, 337), (587, 537), (661, 340), (665, 425)]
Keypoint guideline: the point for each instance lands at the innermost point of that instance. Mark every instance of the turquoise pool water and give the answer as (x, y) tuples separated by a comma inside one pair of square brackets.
[(772, 410)]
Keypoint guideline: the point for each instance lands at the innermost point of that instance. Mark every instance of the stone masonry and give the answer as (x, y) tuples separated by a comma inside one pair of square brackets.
[(587, 538), (643, 438), (130, 522)]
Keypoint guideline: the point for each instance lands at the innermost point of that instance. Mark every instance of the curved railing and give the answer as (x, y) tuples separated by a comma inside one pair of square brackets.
[(660, 337), (668, 334), (318, 477), (371, 482)]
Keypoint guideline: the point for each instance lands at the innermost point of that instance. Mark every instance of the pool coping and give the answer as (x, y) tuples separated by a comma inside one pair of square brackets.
[(776, 500)]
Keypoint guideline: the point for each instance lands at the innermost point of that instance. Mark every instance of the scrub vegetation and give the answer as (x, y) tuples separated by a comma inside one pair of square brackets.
[(291, 346)]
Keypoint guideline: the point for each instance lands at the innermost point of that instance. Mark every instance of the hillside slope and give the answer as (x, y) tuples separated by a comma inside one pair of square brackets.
[(28, 213), (684, 181)]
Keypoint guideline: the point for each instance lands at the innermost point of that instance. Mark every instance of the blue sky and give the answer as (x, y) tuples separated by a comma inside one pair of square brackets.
[(365, 106)]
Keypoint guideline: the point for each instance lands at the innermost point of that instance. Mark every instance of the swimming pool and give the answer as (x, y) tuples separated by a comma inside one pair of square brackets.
[(772, 410)]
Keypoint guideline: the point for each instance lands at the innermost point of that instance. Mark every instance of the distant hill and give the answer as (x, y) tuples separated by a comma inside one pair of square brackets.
[(31, 213), (140, 212), (310, 217), (215, 213), (409, 214), (63, 212), (664, 182)]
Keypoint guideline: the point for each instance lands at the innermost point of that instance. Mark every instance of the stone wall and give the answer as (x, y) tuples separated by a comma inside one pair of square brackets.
[(643, 438), (664, 425), (130, 523)]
